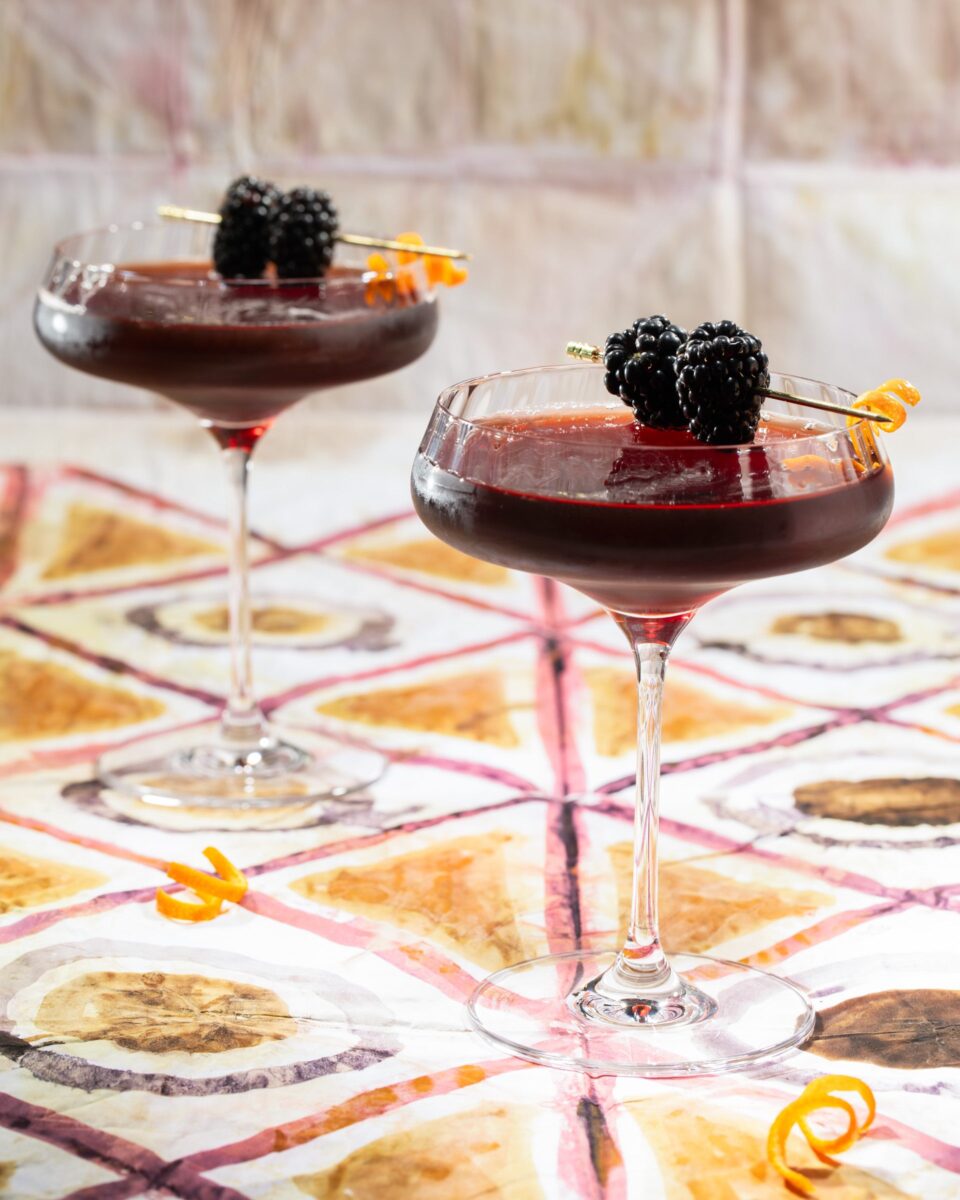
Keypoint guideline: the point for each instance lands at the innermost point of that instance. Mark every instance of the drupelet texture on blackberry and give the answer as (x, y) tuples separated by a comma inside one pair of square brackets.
[(303, 233), (641, 370), (721, 375), (241, 245)]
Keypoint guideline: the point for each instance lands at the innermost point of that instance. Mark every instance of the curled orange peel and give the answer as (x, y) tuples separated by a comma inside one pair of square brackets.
[(226, 870), (187, 910), (386, 284), (404, 257), (889, 400), (202, 883), (816, 1095), (229, 883), (823, 1147), (902, 389)]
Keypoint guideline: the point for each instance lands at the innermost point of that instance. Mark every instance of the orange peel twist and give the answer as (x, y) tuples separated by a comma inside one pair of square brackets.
[(187, 910), (890, 400), (816, 1095), (439, 270), (229, 883)]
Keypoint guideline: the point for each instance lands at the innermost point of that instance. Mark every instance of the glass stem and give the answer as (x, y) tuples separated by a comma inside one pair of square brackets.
[(242, 724), (643, 954), (640, 987)]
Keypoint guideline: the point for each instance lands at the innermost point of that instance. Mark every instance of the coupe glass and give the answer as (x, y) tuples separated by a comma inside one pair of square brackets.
[(140, 305), (542, 471)]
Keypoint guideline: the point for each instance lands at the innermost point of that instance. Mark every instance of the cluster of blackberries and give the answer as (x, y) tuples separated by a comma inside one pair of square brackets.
[(294, 230), (710, 381)]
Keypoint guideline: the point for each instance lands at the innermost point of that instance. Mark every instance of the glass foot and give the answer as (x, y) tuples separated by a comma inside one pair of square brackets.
[(196, 768), (725, 1017)]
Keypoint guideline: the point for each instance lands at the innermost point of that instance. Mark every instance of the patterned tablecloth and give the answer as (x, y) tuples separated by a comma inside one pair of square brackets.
[(312, 1042)]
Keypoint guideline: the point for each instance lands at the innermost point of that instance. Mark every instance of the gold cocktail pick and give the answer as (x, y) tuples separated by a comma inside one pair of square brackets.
[(595, 354), (173, 212)]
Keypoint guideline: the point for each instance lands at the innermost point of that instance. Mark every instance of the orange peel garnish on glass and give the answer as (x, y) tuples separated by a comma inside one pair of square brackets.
[(381, 285), (889, 399), (412, 239), (229, 883), (818, 1094), (438, 270)]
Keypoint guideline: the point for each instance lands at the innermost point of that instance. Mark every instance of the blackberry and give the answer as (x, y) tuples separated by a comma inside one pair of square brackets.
[(721, 375), (302, 234), (241, 245), (641, 370)]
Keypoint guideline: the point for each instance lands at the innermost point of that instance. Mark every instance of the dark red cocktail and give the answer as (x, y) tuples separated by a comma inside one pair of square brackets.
[(541, 471), (235, 354), (141, 305), (645, 521)]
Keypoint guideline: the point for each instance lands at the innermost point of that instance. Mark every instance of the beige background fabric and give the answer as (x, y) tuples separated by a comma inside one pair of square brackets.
[(790, 163)]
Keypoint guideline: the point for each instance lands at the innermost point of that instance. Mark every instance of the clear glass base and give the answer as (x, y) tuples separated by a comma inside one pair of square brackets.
[(723, 1016), (199, 768)]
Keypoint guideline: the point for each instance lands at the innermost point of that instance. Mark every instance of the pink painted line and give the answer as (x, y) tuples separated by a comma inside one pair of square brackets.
[(942, 1154), (768, 693), (555, 719), (417, 958), (792, 737), (116, 666), (830, 875), (561, 901), (37, 921), (550, 722), (574, 1166), (109, 1151), (156, 500), (272, 703), (917, 727), (696, 668), (430, 589), (68, 756), (561, 908), (364, 841), (943, 897), (925, 508), (833, 876), (120, 1189), (57, 1129), (358, 1108), (585, 619), (356, 531), (929, 693), (580, 643), (77, 595), (585, 849), (821, 931), (77, 839), (942, 589), (578, 1170), (615, 1184), (399, 756), (476, 769)]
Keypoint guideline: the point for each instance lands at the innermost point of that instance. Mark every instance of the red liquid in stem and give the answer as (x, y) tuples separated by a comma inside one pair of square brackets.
[(647, 522)]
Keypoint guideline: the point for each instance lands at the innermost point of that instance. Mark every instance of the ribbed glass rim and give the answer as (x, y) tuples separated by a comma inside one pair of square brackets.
[(65, 249), (605, 400)]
